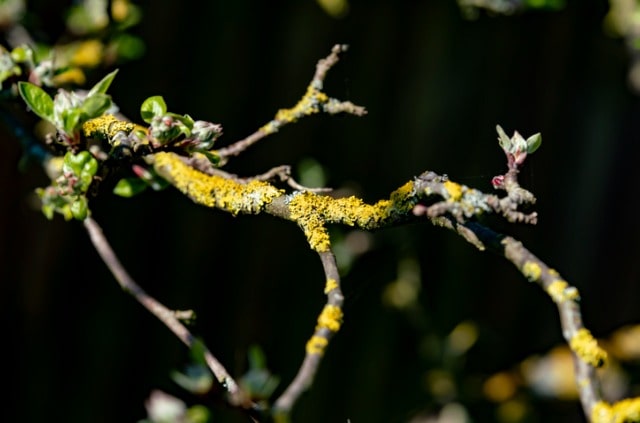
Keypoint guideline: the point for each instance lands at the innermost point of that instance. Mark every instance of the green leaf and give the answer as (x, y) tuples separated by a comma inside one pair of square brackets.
[(96, 105), (102, 86), (75, 162), (79, 208), (22, 54), (533, 142), (503, 139), (71, 120), (152, 107), (212, 157), (128, 187), (48, 210), (196, 379), (185, 119), (37, 100), (90, 166), (66, 212)]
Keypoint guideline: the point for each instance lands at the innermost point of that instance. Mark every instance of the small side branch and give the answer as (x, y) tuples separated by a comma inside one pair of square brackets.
[(329, 323), (314, 101), (463, 202), (165, 315)]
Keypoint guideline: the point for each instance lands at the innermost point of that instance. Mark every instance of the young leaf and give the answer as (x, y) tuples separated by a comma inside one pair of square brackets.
[(37, 100), (503, 139), (186, 120), (102, 86), (152, 107), (96, 105), (212, 157), (533, 142), (75, 162), (22, 54), (70, 120), (48, 210), (128, 187), (79, 208)]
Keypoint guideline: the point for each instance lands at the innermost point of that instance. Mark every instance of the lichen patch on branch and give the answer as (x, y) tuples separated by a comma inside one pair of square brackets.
[(627, 410), (330, 318), (587, 348), (560, 291), (531, 270), (454, 190), (312, 212), (330, 285), (316, 345), (107, 126), (309, 104), (215, 191)]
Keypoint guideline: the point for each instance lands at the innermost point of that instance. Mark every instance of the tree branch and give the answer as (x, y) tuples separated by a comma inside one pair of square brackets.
[(314, 101), (329, 323), (165, 315)]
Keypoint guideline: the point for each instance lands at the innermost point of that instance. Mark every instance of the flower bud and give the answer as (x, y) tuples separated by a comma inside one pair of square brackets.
[(205, 133)]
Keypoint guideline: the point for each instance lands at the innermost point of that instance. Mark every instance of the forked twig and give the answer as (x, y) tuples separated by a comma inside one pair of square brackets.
[(312, 102), (165, 315)]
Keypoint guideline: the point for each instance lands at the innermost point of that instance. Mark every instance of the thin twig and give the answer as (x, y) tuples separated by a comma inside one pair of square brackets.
[(328, 324), (282, 173), (165, 315), (312, 102), (239, 146)]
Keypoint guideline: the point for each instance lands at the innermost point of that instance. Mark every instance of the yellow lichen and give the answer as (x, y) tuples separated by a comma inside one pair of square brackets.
[(554, 273), (531, 270), (624, 411), (106, 126), (330, 285), (316, 345), (601, 413), (309, 104), (586, 347), (214, 191), (560, 291), (454, 190), (312, 212), (330, 318)]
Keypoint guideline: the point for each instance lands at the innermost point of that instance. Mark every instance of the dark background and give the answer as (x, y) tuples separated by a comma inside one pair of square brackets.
[(77, 349)]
